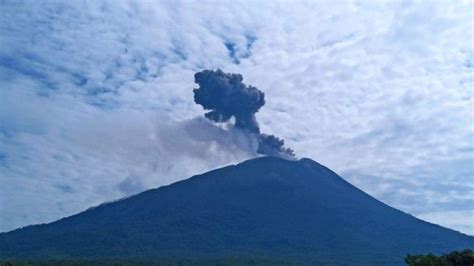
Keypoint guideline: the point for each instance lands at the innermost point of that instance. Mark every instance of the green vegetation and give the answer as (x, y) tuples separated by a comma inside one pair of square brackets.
[(455, 258)]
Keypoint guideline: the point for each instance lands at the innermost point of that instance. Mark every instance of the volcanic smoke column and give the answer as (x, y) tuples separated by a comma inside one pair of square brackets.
[(226, 96)]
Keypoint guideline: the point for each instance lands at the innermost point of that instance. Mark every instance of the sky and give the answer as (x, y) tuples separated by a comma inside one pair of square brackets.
[(96, 99)]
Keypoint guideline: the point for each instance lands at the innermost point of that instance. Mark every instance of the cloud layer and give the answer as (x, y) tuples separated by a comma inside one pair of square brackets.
[(96, 99)]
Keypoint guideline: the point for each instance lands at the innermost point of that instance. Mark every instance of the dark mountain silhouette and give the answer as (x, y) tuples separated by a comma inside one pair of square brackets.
[(264, 208)]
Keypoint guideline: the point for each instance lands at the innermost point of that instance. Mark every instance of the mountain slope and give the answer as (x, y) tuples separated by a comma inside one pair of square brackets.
[(265, 207)]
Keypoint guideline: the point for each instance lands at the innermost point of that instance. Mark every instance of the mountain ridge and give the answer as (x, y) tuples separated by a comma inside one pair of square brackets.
[(267, 207)]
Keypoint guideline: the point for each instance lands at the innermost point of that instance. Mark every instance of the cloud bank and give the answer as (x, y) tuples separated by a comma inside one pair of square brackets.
[(96, 98)]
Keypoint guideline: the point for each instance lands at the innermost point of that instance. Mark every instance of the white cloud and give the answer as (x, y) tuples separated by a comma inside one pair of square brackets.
[(96, 97), (460, 220)]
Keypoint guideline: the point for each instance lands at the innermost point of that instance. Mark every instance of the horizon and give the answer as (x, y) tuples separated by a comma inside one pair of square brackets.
[(97, 103)]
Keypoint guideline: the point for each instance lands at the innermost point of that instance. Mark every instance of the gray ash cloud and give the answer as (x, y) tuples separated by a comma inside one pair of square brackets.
[(274, 146), (224, 95)]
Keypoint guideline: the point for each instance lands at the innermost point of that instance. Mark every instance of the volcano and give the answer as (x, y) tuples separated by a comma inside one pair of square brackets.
[(267, 208)]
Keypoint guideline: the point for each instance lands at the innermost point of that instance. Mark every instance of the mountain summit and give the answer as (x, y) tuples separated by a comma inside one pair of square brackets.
[(262, 208)]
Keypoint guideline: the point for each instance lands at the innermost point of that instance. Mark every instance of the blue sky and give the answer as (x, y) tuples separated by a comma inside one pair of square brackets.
[(96, 98)]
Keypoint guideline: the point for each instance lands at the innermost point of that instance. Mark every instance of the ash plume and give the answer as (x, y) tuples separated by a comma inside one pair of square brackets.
[(274, 146), (226, 96)]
